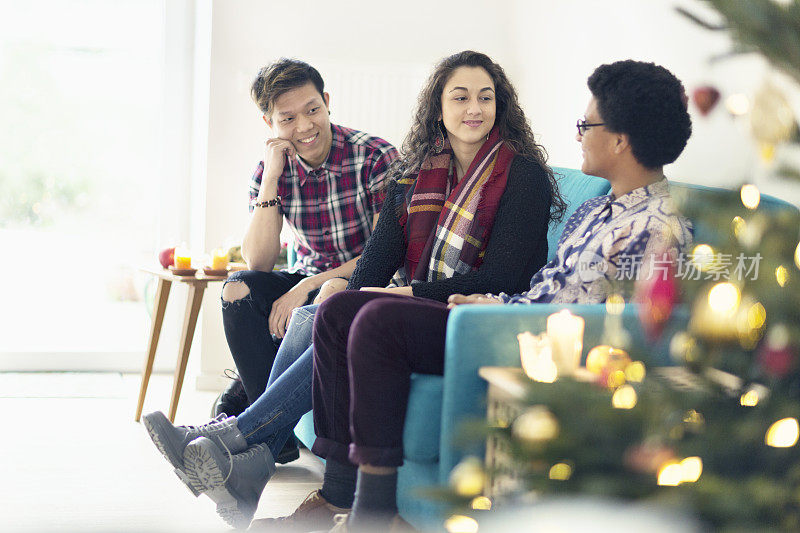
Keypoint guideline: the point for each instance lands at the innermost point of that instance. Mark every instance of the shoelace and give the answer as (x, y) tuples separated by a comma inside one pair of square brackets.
[(212, 425), (253, 450), (299, 509)]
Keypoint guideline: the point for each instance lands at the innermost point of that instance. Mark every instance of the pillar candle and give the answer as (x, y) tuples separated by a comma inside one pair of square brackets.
[(565, 331), (219, 259), (536, 357), (183, 259)]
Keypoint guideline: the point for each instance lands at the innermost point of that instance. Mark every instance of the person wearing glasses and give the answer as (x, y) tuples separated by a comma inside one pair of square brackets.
[(367, 344)]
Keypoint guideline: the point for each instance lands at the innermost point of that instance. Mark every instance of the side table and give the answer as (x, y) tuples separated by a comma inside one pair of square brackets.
[(197, 285), (506, 399), (505, 402)]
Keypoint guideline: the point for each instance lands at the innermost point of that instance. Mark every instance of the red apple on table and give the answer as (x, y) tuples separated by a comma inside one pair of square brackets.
[(167, 257)]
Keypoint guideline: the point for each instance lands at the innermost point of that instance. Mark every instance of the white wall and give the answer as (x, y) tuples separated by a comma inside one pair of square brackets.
[(375, 56), (563, 42)]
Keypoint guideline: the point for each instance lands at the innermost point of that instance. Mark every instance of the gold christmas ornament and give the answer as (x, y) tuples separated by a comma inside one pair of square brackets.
[(560, 472), (536, 425), (468, 478), (481, 503), (683, 348), (772, 120), (624, 398)]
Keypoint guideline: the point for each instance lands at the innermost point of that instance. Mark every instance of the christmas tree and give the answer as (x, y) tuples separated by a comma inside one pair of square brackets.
[(716, 436)]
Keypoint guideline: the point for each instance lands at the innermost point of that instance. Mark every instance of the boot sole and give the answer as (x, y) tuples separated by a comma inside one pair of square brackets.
[(203, 470), (152, 423)]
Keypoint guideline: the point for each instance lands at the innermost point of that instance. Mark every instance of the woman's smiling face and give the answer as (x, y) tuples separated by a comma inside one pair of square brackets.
[(468, 106)]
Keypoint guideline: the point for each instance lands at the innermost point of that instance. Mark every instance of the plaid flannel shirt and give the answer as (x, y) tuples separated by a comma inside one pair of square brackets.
[(330, 209)]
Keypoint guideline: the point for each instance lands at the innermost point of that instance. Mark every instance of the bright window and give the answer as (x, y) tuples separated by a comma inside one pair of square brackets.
[(81, 107)]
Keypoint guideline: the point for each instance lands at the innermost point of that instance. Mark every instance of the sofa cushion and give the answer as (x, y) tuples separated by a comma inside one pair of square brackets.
[(423, 421), (575, 187)]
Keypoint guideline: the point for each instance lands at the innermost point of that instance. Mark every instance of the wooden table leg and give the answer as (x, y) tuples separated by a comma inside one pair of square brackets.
[(162, 294), (193, 304)]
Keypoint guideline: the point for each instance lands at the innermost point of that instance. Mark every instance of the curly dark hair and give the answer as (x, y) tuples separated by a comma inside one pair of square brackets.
[(280, 77), (512, 124), (646, 102)]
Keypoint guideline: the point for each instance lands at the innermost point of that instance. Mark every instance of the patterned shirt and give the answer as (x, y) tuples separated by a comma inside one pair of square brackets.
[(607, 238), (330, 209)]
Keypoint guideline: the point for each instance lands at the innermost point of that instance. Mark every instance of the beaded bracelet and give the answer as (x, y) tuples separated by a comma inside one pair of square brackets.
[(269, 203)]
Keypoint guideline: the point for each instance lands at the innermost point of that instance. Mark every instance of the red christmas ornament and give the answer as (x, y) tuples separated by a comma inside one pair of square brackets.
[(776, 362), (657, 297), (705, 98)]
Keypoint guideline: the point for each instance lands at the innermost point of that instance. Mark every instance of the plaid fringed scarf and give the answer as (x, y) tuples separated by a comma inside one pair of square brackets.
[(447, 225)]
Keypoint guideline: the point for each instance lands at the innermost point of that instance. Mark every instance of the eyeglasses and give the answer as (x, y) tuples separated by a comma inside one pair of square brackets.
[(582, 126)]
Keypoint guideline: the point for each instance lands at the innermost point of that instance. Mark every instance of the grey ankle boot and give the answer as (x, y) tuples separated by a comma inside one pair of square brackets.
[(171, 440), (233, 482)]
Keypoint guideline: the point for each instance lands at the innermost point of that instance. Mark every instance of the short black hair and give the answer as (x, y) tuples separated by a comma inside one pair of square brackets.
[(646, 102), (280, 77)]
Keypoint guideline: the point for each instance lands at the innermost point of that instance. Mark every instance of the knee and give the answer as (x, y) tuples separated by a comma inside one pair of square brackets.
[(301, 321), (234, 291), (330, 307), (372, 316)]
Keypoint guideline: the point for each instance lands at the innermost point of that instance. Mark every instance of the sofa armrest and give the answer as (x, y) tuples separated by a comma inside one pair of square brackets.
[(486, 335)]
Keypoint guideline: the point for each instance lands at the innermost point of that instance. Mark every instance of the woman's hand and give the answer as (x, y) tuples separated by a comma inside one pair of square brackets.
[(329, 288), (282, 307), (460, 299), (402, 291)]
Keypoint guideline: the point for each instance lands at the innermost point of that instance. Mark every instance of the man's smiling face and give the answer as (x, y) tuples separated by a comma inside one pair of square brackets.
[(301, 117)]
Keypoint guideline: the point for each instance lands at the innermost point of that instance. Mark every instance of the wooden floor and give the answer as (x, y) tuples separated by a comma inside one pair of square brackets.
[(73, 459)]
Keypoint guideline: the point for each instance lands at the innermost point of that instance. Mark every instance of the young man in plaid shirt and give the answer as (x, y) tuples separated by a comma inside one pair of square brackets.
[(327, 181)]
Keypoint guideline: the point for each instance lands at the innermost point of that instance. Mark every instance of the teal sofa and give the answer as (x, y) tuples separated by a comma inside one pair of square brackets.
[(486, 336)]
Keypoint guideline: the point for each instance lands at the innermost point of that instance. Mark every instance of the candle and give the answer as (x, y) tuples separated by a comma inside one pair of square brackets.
[(219, 259), (565, 331), (183, 260), (536, 358)]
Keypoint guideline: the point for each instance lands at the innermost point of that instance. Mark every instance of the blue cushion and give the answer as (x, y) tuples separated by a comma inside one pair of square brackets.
[(576, 187), (424, 413)]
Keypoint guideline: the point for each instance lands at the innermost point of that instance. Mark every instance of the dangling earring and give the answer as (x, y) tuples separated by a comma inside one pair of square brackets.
[(438, 140)]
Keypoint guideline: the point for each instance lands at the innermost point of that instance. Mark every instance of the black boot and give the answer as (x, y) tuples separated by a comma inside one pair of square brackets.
[(233, 400), (290, 451)]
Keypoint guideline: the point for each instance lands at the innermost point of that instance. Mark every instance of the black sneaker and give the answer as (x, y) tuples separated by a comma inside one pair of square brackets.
[(233, 400)]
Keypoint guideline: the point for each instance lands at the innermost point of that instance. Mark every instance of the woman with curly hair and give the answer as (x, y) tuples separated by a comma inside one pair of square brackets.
[(467, 211)]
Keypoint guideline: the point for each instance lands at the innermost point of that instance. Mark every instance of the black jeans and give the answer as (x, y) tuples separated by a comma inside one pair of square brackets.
[(366, 346), (247, 329)]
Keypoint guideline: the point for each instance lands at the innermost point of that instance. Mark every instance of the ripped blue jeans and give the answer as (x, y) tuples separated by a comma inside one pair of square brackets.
[(272, 417)]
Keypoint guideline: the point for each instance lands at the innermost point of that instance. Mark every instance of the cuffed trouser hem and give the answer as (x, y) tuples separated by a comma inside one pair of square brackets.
[(330, 449), (366, 455)]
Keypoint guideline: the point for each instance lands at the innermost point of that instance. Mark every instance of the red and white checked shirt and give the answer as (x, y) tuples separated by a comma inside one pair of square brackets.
[(330, 209)]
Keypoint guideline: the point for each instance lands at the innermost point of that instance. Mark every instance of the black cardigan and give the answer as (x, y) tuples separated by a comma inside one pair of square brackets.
[(516, 250)]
